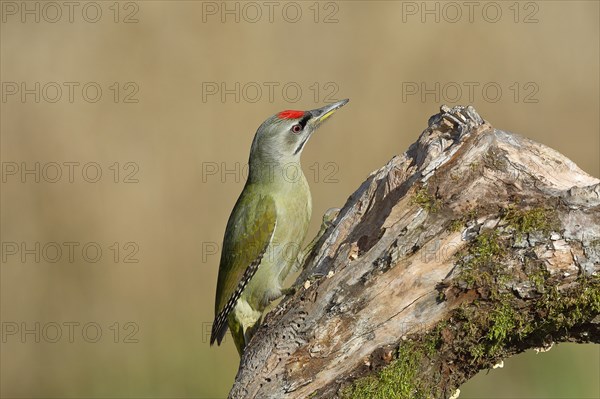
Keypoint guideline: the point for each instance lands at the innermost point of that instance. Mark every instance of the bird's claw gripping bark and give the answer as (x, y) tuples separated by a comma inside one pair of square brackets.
[(289, 291)]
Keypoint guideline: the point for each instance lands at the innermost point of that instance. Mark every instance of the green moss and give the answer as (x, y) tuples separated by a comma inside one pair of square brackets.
[(485, 333), (400, 379), (505, 325), (482, 267), (433, 340), (566, 309), (461, 222), (425, 200), (456, 225), (479, 262), (502, 322), (530, 220), (477, 351), (486, 246), (441, 296), (537, 274)]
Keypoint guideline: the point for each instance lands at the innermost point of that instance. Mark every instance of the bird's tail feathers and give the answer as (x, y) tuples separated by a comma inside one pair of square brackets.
[(219, 328)]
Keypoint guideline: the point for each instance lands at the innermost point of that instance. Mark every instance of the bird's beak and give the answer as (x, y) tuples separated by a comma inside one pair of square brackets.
[(319, 115)]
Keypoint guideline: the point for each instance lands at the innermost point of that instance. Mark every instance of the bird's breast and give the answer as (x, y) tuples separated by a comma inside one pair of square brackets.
[(293, 207)]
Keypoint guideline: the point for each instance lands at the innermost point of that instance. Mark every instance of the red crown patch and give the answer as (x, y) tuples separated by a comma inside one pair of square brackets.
[(290, 114)]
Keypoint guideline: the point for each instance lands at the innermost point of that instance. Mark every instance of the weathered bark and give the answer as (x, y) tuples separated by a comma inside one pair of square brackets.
[(474, 245)]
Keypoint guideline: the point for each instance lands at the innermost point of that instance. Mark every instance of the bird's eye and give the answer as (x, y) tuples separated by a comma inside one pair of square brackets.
[(296, 128)]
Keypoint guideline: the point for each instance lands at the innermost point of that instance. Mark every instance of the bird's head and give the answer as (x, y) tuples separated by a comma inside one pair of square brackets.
[(281, 138)]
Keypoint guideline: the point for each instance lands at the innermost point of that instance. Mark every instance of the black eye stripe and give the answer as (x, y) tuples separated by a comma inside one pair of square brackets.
[(304, 119)]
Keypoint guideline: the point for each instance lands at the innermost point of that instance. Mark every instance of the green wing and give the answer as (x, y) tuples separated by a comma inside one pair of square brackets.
[(248, 234)]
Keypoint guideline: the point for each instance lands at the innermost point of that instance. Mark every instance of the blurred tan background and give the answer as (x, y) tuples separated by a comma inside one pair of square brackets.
[(171, 145)]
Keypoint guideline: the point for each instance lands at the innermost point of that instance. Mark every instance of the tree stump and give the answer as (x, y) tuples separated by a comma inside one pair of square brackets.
[(474, 245)]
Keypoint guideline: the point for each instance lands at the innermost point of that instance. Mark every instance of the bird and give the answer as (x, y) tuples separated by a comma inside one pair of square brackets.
[(267, 225)]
